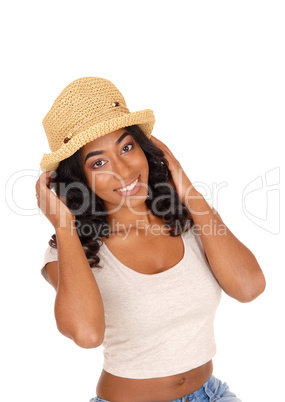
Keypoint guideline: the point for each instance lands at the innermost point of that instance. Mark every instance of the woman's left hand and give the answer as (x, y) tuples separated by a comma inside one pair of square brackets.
[(181, 181)]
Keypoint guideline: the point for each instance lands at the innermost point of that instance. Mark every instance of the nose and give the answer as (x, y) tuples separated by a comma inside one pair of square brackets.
[(123, 172)]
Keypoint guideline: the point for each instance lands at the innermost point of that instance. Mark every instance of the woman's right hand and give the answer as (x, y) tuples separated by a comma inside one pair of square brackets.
[(51, 205)]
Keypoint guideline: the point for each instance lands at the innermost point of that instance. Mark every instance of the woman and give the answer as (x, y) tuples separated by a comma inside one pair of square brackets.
[(129, 270)]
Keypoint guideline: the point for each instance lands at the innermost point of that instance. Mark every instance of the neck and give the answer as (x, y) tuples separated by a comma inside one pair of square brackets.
[(127, 218)]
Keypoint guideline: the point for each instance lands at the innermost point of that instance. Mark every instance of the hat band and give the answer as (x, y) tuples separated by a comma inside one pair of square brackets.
[(118, 108)]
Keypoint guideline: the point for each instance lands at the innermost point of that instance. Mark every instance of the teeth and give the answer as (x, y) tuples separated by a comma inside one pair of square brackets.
[(130, 187)]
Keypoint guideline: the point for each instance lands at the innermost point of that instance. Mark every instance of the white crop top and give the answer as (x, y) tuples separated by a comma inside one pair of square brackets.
[(157, 325)]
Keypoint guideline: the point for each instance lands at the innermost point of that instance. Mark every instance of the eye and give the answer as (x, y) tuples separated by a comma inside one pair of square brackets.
[(127, 146), (96, 164)]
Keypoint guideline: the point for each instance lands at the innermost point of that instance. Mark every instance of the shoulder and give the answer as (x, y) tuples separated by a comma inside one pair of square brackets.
[(49, 266), (50, 273)]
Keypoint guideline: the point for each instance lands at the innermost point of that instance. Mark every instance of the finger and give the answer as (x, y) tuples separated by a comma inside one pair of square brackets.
[(45, 179), (159, 143), (42, 178)]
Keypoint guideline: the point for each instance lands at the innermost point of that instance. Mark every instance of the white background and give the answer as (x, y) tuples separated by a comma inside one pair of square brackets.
[(213, 72)]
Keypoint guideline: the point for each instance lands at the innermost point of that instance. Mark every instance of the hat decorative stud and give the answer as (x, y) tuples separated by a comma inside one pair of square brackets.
[(116, 104), (67, 139)]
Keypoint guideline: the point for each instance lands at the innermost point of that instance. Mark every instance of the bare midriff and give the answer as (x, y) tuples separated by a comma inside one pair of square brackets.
[(162, 389)]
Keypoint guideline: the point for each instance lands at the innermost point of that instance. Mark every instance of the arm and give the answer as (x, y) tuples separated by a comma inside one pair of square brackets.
[(79, 310), (233, 264)]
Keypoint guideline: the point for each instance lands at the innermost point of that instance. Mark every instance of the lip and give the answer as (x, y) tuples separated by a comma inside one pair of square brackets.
[(117, 189), (132, 192)]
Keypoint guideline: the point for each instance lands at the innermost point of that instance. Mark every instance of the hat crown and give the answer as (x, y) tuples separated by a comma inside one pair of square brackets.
[(79, 104)]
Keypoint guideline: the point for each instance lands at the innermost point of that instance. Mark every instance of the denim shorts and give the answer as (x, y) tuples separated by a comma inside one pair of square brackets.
[(212, 390)]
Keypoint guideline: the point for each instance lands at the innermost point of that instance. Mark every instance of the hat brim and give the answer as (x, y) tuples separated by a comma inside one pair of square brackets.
[(144, 119)]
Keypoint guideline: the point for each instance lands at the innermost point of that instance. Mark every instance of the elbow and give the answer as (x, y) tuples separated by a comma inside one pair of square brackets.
[(252, 291), (85, 338), (85, 333)]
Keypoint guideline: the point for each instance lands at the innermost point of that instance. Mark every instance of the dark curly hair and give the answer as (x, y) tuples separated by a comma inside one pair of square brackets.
[(69, 183)]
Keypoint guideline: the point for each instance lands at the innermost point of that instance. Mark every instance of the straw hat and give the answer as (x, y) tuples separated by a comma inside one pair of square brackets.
[(86, 109)]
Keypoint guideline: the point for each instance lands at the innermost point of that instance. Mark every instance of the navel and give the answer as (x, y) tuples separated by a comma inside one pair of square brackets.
[(182, 380)]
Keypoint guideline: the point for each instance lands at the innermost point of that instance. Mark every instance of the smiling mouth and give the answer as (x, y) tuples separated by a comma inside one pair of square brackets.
[(130, 187)]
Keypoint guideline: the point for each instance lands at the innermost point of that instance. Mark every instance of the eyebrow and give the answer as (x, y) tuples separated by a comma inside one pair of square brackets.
[(94, 153)]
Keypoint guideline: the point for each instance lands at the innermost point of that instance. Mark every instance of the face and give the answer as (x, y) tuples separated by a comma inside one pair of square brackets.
[(116, 169)]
